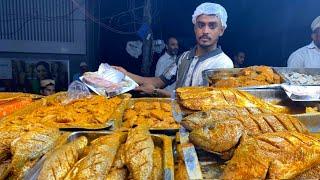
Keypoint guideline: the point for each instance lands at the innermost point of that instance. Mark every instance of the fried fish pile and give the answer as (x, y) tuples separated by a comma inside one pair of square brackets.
[(250, 76), (92, 112), (281, 155), (156, 114), (22, 146), (261, 141), (117, 156), (206, 98)]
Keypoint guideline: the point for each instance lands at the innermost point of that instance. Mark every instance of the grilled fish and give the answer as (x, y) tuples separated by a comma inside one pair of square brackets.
[(157, 170), (58, 164), (139, 149), (207, 118), (206, 98), (222, 135), (280, 155), (31, 146), (98, 162), (118, 170)]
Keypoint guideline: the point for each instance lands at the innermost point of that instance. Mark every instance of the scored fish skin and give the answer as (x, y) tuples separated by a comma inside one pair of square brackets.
[(58, 164), (118, 170), (207, 118), (220, 135), (31, 146), (204, 98), (157, 170), (225, 135), (279, 155), (98, 162), (139, 149)]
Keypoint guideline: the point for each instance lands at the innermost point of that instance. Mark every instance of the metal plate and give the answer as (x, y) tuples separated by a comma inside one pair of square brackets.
[(199, 164), (167, 131), (279, 97), (162, 141), (233, 71), (311, 121), (112, 123), (307, 71)]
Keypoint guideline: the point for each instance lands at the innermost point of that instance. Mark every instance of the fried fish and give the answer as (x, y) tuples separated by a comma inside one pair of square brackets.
[(58, 164), (139, 149)]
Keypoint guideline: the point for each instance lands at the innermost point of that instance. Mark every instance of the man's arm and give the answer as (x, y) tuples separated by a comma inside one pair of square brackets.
[(151, 90), (154, 81)]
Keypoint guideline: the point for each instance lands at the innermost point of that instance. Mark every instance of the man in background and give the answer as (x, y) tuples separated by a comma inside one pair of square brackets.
[(238, 59), (210, 22), (83, 68), (47, 87), (308, 56), (169, 57)]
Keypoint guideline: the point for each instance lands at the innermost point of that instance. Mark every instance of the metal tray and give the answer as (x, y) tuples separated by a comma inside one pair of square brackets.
[(199, 164), (114, 121), (167, 131), (209, 73), (307, 71), (204, 165), (162, 141)]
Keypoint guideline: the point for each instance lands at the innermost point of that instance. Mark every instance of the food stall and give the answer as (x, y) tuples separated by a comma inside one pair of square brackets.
[(246, 130)]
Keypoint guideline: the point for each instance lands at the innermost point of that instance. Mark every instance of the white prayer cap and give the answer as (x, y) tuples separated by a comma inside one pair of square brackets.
[(315, 24), (211, 9)]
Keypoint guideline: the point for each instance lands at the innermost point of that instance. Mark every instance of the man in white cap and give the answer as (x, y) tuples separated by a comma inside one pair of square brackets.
[(83, 68), (308, 56), (210, 22)]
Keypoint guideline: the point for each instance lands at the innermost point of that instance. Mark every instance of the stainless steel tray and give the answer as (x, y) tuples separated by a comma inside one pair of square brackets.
[(167, 131), (209, 73), (198, 163), (279, 97), (307, 71), (162, 141)]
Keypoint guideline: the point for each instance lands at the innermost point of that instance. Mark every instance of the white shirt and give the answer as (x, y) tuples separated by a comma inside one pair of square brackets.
[(163, 63), (305, 57), (194, 76)]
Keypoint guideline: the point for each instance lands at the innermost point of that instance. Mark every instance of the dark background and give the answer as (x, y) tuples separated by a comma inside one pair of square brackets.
[(268, 31)]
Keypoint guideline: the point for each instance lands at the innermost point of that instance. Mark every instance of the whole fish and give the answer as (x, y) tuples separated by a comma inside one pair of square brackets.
[(139, 149), (58, 164)]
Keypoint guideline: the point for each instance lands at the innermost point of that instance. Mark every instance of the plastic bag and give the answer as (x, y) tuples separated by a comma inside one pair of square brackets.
[(76, 90), (108, 81)]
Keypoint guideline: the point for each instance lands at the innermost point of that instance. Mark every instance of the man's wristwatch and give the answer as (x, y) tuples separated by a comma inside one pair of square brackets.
[(155, 92)]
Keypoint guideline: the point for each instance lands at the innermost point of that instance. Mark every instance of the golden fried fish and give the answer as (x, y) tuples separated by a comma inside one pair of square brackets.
[(157, 170), (31, 146), (98, 162), (280, 155), (139, 149), (58, 164)]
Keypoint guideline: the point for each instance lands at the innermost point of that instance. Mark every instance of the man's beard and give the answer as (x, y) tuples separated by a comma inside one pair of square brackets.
[(174, 52)]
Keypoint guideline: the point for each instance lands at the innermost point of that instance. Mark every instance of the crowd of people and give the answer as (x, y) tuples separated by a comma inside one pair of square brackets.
[(38, 78)]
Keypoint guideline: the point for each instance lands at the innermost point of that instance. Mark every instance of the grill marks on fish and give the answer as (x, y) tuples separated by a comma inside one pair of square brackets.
[(58, 164), (286, 154), (139, 149)]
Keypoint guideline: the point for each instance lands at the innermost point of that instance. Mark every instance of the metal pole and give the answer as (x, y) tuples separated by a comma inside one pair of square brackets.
[(147, 42)]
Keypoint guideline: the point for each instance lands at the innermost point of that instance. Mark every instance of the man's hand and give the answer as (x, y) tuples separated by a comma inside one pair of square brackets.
[(145, 89), (121, 69)]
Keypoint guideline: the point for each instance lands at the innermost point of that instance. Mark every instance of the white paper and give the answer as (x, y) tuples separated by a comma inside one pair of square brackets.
[(302, 93)]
